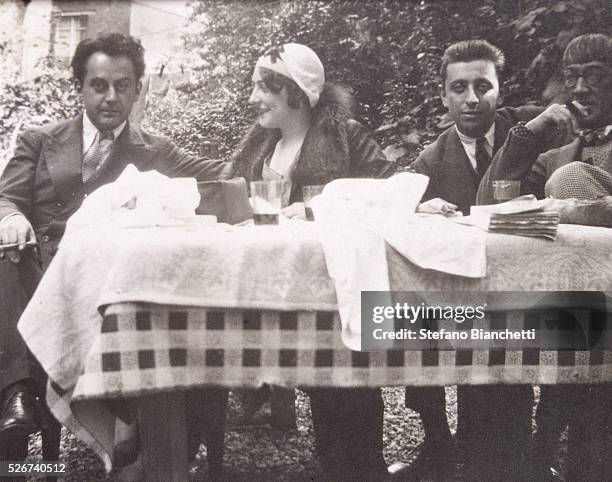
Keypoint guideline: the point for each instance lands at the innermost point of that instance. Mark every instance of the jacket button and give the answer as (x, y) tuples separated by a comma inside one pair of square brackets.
[(44, 238), (59, 205)]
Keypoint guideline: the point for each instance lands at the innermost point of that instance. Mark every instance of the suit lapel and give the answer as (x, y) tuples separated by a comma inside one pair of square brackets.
[(502, 127), (129, 148), (463, 164), (63, 152)]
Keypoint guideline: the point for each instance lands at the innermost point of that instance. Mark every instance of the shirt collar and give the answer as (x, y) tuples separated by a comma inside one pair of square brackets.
[(90, 131), (489, 136)]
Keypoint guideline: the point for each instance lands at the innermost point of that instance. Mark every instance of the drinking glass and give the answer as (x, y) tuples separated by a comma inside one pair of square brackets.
[(266, 201), (504, 190)]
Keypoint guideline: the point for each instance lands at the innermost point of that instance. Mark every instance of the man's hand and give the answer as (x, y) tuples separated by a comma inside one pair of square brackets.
[(438, 206), (15, 229), (556, 124), (295, 210), (591, 212)]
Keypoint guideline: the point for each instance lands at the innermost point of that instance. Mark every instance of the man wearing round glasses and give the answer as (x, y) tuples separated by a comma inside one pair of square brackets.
[(582, 167)]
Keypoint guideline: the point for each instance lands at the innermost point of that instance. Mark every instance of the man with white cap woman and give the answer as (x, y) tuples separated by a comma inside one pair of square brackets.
[(305, 134)]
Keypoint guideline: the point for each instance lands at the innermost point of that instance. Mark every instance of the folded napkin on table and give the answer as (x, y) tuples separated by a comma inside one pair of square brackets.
[(355, 219), (138, 199)]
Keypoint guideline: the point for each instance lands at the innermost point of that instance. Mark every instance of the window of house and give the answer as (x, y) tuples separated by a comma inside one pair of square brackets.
[(69, 31)]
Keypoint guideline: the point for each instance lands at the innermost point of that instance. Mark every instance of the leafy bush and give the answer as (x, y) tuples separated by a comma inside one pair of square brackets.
[(387, 51), (47, 98)]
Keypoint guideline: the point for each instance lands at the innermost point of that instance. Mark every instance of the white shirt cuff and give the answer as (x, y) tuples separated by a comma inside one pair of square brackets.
[(16, 213)]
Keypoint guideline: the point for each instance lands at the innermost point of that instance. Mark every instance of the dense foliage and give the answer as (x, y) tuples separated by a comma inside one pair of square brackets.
[(387, 51), (49, 97)]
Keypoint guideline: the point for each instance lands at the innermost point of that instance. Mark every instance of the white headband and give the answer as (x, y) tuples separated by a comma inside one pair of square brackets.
[(300, 64)]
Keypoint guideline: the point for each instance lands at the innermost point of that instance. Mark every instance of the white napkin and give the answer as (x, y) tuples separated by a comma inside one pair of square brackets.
[(354, 219), (138, 199)]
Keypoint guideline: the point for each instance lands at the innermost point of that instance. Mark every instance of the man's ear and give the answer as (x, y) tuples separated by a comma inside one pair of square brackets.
[(77, 85), (138, 87), (443, 96)]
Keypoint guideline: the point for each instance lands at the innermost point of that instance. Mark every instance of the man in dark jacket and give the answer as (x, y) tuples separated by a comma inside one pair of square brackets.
[(494, 421), (53, 169), (532, 153)]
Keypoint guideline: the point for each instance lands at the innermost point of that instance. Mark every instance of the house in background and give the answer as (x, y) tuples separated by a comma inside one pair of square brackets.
[(55, 27)]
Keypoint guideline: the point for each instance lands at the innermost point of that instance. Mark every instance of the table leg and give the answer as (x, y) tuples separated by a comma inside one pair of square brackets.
[(163, 436)]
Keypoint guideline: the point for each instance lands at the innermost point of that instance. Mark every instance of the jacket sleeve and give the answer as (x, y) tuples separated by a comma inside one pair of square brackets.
[(175, 162), (515, 159), (367, 158), (422, 165), (17, 181)]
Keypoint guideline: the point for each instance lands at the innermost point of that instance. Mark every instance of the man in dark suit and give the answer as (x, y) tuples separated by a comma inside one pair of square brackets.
[(52, 170), (494, 421)]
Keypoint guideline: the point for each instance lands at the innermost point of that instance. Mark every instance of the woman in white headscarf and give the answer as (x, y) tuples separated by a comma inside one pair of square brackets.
[(305, 134)]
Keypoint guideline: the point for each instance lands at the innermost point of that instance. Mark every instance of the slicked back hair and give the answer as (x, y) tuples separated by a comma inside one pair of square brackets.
[(591, 47), (470, 50), (112, 44)]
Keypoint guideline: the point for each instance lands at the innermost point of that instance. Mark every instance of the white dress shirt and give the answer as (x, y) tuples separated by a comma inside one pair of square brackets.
[(90, 131), (469, 144)]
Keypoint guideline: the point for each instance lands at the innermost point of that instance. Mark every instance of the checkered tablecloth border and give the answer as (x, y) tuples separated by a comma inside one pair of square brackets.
[(248, 347)]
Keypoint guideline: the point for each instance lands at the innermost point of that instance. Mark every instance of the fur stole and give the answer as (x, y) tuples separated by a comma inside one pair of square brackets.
[(324, 155)]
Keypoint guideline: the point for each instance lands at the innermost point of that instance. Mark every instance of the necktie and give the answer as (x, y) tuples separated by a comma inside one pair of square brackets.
[(97, 153), (483, 159)]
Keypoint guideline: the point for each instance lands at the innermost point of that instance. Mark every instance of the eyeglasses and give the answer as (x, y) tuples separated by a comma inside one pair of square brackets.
[(592, 75)]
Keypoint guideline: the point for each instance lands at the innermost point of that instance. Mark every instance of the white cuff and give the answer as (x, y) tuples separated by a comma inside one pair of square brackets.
[(16, 213)]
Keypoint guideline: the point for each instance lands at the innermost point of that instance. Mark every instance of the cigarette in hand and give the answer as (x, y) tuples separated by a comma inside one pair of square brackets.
[(576, 108), (15, 246)]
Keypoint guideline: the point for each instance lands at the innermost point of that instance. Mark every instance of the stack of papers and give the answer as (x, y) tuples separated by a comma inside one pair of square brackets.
[(536, 224), (523, 216)]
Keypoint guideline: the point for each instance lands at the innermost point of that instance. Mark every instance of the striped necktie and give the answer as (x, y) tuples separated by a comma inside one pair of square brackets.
[(98, 153), (483, 159)]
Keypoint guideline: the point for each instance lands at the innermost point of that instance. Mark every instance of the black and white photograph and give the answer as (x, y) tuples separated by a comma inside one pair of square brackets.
[(306, 240)]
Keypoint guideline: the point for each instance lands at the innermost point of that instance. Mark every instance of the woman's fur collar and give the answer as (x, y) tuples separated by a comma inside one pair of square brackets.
[(329, 117)]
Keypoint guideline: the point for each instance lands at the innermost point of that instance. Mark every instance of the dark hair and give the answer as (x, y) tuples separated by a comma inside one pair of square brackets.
[(277, 82), (113, 45), (592, 47), (470, 50)]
